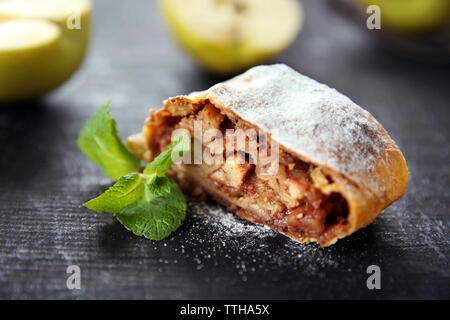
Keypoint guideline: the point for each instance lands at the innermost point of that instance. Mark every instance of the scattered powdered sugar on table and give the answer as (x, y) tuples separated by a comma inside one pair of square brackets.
[(228, 224), (213, 237)]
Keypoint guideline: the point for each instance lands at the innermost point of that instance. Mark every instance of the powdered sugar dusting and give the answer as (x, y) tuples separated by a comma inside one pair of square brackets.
[(307, 117), (229, 224), (214, 235)]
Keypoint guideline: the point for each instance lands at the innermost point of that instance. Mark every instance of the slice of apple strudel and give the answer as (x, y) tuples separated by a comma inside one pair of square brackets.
[(280, 149)]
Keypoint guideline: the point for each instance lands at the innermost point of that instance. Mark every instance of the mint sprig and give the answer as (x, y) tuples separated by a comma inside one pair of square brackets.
[(100, 141), (149, 204)]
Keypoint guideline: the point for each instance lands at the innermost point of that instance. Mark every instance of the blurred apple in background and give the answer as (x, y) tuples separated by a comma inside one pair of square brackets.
[(41, 45), (412, 15), (228, 36)]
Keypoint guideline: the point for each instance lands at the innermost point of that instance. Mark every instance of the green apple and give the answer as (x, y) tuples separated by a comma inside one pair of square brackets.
[(412, 15), (227, 36), (42, 43)]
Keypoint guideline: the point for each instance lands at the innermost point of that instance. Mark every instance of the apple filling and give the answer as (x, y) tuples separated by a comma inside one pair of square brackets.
[(290, 200)]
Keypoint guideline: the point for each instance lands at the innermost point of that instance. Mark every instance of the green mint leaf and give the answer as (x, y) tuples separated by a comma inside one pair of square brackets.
[(100, 141), (153, 210), (179, 145), (156, 216), (149, 204), (127, 190)]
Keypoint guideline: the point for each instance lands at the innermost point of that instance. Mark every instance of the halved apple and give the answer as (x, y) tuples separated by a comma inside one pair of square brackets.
[(227, 36), (42, 43), (412, 15)]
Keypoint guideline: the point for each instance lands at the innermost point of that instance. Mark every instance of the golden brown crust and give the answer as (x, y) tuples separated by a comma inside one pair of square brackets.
[(367, 190)]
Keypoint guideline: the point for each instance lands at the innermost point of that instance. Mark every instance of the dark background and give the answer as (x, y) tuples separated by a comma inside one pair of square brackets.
[(44, 178)]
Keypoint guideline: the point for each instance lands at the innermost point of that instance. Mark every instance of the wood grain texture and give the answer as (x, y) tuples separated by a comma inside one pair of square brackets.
[(44, 178)]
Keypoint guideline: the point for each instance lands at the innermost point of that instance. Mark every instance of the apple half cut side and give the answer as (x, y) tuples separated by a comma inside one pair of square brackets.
[(228, 36), (42, 43), (27, 53)]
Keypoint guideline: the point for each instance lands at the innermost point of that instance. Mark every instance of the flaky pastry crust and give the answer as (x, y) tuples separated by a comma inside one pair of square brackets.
[(310, 121)]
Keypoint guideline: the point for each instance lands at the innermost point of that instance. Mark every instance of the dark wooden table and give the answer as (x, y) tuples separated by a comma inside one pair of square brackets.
[(44, 178)]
